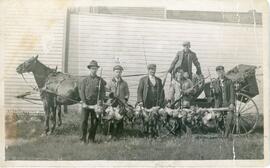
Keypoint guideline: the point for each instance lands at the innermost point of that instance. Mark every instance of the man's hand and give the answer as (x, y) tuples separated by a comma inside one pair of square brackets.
[(140, 104), (231, 106), (169, 104), (84, 105)]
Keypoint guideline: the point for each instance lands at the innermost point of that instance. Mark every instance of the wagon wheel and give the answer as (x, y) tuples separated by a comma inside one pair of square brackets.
[(246, 115)]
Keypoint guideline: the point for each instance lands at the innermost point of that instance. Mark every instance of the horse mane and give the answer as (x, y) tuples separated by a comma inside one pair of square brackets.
[(47, 68)]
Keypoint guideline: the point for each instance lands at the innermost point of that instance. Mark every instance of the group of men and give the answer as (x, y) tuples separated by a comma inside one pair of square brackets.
[(150, 92)]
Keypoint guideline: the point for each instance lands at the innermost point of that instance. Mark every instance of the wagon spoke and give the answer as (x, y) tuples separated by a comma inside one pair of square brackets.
[(249, 114), (243, 125), (244, 111), (240, 103), (249, 121), (245, 105)]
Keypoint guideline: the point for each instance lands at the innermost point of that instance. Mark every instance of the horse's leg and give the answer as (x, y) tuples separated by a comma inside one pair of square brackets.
[(53, 107), (47, 117), (59, 115)]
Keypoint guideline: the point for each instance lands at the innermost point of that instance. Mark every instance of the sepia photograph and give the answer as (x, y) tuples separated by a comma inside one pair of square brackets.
[(143, 80)]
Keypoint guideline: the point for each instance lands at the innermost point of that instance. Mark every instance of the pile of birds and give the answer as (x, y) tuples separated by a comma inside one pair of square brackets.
[(194, 116)]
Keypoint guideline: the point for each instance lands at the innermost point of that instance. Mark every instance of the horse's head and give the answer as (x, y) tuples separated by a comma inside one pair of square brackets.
[(27, 66)]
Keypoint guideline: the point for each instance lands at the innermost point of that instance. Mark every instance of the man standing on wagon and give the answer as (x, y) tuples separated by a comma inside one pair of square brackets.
[(92, 92), (224, 96), (184, 60)]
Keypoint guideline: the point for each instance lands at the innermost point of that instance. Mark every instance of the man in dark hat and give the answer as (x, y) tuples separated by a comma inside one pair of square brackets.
[(118, 86), (92, 92), (224, 96), (184, 60), (150, 91)]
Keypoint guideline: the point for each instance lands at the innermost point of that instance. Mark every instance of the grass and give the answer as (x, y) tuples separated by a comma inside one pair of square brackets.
[(65, 145)]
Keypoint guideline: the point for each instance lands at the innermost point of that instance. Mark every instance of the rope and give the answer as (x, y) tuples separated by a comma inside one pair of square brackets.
[(48, 91), (29, 101), (142, 74)]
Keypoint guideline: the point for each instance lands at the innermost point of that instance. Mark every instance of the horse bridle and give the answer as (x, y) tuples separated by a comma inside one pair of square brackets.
[(28, 84)]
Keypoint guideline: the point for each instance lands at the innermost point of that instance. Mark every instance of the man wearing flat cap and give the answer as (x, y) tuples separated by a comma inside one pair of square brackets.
[(150, 92), (118, 86), (224, 96), (92, 92), (184, 60)]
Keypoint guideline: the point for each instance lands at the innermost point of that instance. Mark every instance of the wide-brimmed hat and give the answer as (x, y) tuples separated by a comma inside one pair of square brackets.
[(93, 63), (186, 43), (151, 66), (118, 67), (220, 67)]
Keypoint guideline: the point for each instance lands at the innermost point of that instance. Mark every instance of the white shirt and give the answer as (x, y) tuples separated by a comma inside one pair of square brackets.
[(221, 81), (152, 80)]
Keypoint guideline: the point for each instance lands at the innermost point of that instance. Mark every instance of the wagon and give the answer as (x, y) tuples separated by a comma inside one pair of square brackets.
[(246, 113)]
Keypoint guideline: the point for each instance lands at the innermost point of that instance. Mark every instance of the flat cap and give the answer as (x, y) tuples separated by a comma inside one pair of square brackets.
[(220, 67), (151, 66), (118, 67), (186, 43), (93, 63)]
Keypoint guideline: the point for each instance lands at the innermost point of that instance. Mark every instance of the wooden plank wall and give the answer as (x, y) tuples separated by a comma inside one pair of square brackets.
[(29, 31), (134, 41)]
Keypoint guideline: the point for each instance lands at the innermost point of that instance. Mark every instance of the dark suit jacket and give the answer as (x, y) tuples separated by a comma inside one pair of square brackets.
[(226, 96), (177, 62), (143, 90)]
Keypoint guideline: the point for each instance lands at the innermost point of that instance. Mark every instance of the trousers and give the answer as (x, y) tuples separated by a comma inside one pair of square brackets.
[(92, 128)]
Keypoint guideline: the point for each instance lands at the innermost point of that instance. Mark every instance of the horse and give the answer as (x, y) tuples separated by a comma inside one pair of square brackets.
[(56, 89)]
